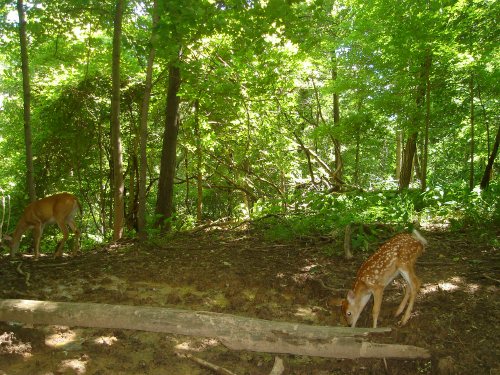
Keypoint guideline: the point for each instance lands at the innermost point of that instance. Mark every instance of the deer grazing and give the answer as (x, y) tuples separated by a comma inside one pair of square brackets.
[(395, 257), (60, 209)]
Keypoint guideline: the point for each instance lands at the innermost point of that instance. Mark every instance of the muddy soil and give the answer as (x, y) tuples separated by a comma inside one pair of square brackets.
[(456, 316)]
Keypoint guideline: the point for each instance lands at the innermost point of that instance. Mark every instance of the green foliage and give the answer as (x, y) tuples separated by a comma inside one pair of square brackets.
[(327, 214), (262, 75)]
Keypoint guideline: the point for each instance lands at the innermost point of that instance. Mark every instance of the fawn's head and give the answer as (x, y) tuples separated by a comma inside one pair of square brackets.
[(350, 310)]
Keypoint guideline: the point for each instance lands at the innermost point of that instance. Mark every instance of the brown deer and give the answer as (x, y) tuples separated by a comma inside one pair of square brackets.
[(395, 257), (60, 209)]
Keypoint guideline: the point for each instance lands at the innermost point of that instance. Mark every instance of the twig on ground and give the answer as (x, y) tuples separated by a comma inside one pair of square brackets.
[(217, 369), (22, 273), (491, 278)]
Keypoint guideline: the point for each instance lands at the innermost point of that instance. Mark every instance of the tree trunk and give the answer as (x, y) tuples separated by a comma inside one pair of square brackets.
[(30, 182), (337, 177), (399, 153), (165, 199), (407, 165), (132, 206), (358, 129), (428, 66), (485, 181), (235, 332), (118, 184), (472, 140), (143, 130), (103, 176), (199, 163)]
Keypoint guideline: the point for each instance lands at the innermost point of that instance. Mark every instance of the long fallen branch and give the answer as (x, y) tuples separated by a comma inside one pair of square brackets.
[(215, 368), (235, 332)]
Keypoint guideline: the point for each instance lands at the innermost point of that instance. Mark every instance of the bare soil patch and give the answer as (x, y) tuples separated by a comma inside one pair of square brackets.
[(456, 314)]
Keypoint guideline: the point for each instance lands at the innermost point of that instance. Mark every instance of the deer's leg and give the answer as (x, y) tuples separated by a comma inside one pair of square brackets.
[(377, 303), (37, 236), (404, 301), (414, 286), (75, 230), (64, 229)]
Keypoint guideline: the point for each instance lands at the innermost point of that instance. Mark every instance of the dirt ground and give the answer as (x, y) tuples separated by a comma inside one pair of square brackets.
[(456, 316)]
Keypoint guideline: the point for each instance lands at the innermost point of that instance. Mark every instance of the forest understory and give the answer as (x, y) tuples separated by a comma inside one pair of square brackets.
[(238, 272)]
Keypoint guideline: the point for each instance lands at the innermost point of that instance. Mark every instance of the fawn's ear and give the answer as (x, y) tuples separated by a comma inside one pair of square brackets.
[(350, 295)]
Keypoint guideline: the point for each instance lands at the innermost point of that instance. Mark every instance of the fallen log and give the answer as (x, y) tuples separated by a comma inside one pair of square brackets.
[(235, 332)]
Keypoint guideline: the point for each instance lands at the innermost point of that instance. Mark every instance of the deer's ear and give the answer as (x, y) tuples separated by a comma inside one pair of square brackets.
[(350, 295)]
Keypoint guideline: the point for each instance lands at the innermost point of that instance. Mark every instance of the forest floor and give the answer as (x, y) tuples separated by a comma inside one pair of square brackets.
[(456, 316)]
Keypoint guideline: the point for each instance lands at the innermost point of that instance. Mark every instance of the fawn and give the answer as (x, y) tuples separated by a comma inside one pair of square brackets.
[(396, 256)]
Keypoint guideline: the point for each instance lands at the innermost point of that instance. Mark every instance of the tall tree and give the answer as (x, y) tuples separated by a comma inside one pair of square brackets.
[(199, 162), (425, 153), (118, 184), (472, 143), (27, 101), (165, 199), (143, 128), (485, 181), (407, 162)]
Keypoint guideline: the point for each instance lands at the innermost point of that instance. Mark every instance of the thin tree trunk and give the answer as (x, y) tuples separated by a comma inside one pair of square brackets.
[(118, 184), (359, 126), (30, 182), (485, 181), (407, 165), (399, 153), (103, 176), (188, 183), (428, 65), (472, 140), (199, 163), (336, 122), (143, 129), (165, 199), (411, 143)]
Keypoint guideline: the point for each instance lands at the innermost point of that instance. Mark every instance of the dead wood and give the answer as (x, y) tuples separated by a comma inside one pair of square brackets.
[(217, 369), (491, 278), (235, 332), (26, 275)]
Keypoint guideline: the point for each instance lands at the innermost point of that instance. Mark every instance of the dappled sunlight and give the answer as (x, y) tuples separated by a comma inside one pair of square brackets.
[(29, 305), (60, 339), (309, 267), (79, 366), (455, 283), (306, 313), (196, 345), (10, 344), (106, 340)]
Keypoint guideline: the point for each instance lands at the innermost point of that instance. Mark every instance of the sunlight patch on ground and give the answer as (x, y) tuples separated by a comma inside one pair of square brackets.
[(218, 300), (79, 366), (306, 313), (309, 267), (60, 339), (196, 345), (10, 344), (106, 340), (453, 284)]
